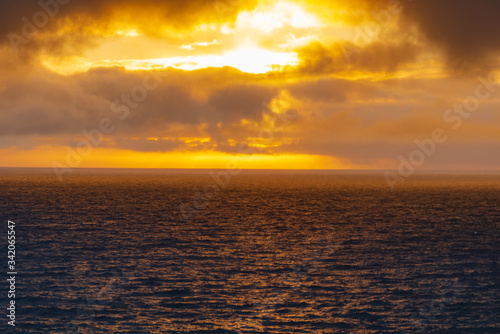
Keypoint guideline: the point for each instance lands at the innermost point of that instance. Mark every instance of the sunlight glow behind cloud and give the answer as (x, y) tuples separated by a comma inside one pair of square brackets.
[(243, 50), (275, 17), (247, 59)]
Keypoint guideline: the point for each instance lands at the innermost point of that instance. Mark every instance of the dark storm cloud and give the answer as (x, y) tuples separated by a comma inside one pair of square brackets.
[(45, 103), (468, 31)]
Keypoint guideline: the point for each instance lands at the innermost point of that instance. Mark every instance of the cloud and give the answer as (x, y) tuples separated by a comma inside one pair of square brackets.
[(224, 104), (41, 103), (66, 26), (394, 32), (467, 31), (346, 107), (377, 56)]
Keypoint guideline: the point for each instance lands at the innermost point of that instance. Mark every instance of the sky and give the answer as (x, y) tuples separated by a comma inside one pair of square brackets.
[(292, 84)]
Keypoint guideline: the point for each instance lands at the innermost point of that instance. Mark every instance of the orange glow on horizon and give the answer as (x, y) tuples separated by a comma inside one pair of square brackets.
[(111, 158)]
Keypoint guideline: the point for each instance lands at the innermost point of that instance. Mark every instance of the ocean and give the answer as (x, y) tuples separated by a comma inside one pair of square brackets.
[(192, 251)]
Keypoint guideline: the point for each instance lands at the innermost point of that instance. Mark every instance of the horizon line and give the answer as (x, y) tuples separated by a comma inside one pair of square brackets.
[(261, 169)]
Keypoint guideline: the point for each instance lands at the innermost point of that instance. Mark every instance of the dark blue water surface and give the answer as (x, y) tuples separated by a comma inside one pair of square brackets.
[(109, 251)]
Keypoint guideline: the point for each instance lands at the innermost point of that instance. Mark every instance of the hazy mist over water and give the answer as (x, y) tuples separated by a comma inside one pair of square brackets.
[(109, 251)]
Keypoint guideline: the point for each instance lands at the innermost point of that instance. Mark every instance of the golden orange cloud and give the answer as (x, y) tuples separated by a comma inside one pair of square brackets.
[(192, 82)]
